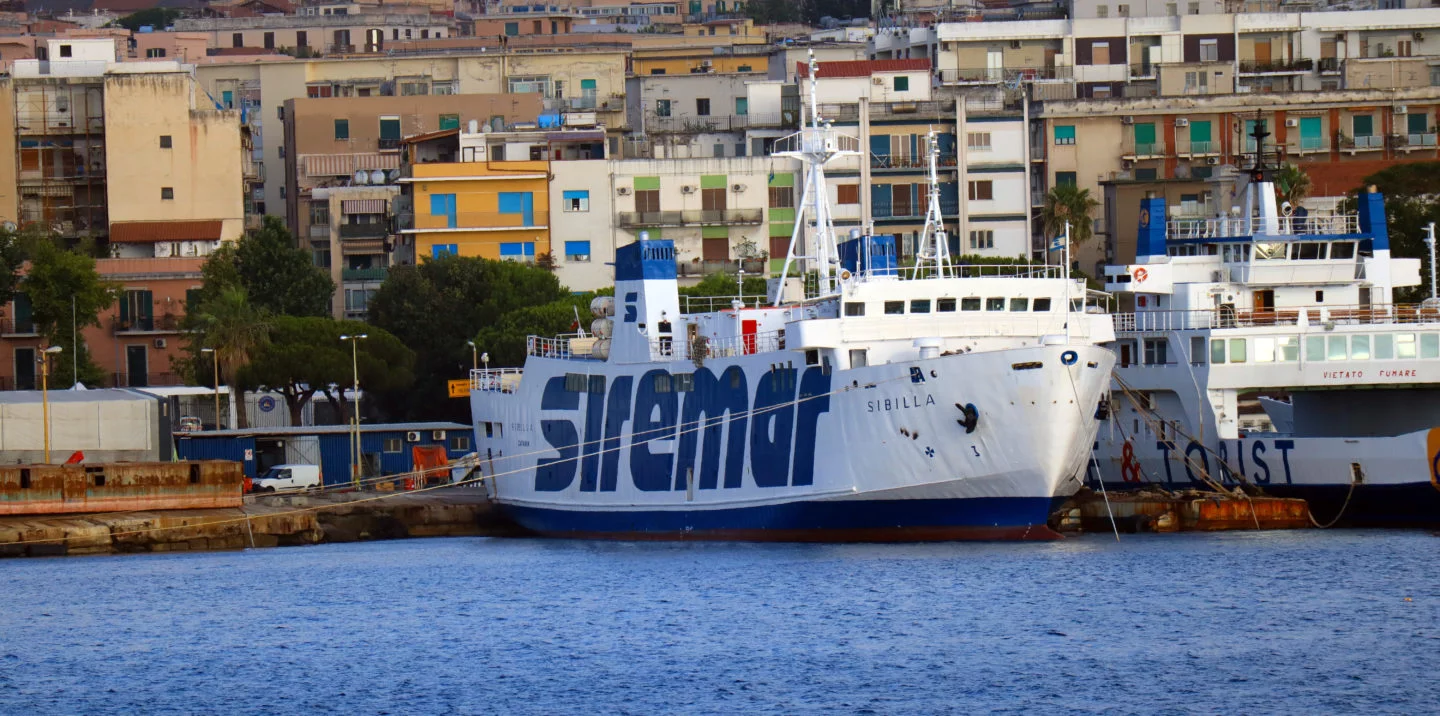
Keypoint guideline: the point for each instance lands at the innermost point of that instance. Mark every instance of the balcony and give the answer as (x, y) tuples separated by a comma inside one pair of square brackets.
[(319, 231), (13, 327), (996, 75), (1371, 143), (1276, 67), (389, 145), (144, 380), (1329, 66), (702, 217), (655, 124), (168, 323), (362, 231), (1413, 142), (1142, 150), (1309, 145), (705, 267), (364, 274), (898, 162), (1200, 148), (1142, 71)]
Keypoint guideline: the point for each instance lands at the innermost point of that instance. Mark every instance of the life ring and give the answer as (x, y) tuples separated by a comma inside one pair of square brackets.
[(1141, 274), (1069, 357)]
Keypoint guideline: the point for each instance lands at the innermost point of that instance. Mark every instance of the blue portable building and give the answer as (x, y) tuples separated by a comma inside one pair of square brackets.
[(385, 447)]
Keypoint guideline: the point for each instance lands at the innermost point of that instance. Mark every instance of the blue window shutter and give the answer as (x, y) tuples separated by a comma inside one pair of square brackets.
[(880, 145), (576, 195), (510, 202), (577, 248), (530, 249), (511, 249), (880, 200), (950, 198), (527, 209)]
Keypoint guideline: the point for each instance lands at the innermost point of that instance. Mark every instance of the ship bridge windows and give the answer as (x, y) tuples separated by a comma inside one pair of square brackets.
[(920, 305), (854, 308), (1342, 250), (995, 304), (1227, 350), (970, 304), (945, 305), (1270, 250), (1157, 351), (894, 308), (1308, 251), (1040, 305), (1019, 304)]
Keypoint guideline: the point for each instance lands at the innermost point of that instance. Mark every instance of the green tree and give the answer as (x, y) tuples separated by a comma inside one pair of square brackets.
[(157, 17), (66, 295), (235, 330), (304, 356), (505, 339), (435, 307), (276, 276), (12, 256), (1292, 184), (1069, 204)]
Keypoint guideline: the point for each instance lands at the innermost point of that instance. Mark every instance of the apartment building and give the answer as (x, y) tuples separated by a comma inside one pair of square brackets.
[(1338, 137), (700, 116), (123, 153), (323, 34), (351, 236), (588, 81), (725, 215), (524, 21)]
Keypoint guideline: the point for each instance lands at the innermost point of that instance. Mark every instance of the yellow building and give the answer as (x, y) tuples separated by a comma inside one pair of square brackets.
[(495, 210)]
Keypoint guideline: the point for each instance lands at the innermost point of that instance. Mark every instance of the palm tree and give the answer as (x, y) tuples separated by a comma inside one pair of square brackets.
[(232, 327), (1292, 184), (1069, 204)]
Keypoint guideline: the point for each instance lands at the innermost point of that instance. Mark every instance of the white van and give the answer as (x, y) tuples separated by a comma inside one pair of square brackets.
[(289, 478)]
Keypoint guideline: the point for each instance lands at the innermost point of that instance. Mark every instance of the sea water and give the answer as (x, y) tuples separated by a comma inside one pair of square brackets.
[(1267, 622)]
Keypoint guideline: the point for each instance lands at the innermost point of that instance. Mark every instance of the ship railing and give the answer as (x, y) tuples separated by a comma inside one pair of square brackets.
[(705, 347), (1321, 317), (1006, 271), (566, 345), (711, 304), (499, 380), (1208, 228)]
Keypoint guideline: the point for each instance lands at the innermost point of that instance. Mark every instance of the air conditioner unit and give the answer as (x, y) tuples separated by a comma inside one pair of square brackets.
[(1182, 122), (687, 189), (1292, 122), (623, 191), (437, 435), (1212, 161), (1418, 36), (737, 188), (160, 343), (412, 436), (1127, 119), (1402, 109), (877, 81), (1126, 164)]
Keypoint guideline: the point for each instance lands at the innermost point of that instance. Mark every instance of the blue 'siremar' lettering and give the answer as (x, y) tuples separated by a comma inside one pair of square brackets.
[(714, 423)]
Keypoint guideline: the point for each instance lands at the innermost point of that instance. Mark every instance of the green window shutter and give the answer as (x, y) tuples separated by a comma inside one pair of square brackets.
[(512, 29), (342, 129), (742, 106), (192, 299), (1309, 127), (125, 307), (1200, 131), (449, 121), (1417, 123), (714, 232), (1363, 124), (782, 179), (902, 84), (712, 181), (1064, 134), (1145, 133), (147, 304), (587, 84), (647, 183), (390, 129), (1065, 178)]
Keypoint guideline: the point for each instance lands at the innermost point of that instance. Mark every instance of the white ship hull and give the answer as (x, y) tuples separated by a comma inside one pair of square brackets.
[(869, 453)]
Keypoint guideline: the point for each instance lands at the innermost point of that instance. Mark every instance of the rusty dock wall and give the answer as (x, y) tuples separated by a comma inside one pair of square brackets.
[(121, 486), (261, 521)]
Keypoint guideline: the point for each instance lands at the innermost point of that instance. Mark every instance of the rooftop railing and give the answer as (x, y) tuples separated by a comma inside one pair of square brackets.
[(727, 347), (1249, 226), (499, 380), (691, 217), (1315, 317)]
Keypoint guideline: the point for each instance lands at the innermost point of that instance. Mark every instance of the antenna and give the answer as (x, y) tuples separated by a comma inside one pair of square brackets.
[(814, 146), (934, 256)]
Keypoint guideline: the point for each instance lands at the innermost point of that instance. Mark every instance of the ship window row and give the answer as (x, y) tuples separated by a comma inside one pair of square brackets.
[(1273, 250), (949, 305), (1287, 349)]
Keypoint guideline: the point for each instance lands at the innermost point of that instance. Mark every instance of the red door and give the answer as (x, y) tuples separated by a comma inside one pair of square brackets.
[(748, 329)]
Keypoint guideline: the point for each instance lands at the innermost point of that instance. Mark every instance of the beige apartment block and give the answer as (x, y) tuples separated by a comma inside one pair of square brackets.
[(585, 80), (9, 196), (167, 160), (325, 34)]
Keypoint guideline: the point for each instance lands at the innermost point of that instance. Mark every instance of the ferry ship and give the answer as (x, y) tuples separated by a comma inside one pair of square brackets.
[(1265, 348), (879, 404)]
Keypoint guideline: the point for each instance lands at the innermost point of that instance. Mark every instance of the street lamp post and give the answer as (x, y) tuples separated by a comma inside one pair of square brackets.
[(215, 355), (485, 358), (45, 394), (355, 369), (474, 356)]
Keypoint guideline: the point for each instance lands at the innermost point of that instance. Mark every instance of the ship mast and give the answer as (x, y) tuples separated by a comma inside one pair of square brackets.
[(934, 257), (815, 146)]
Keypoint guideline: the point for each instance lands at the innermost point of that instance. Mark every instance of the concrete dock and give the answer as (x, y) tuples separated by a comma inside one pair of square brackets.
[(262, 521), (1188, 511)]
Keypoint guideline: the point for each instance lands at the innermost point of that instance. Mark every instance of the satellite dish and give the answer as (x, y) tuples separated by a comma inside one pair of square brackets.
[(393, 176), (362, 178), (377, 177), (10, 226)]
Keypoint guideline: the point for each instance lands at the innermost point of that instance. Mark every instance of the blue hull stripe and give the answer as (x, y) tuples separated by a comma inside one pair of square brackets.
[(851, 520)]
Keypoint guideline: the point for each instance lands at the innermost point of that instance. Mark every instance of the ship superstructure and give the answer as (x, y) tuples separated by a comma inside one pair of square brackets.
[(876, 404), (1265, 347)]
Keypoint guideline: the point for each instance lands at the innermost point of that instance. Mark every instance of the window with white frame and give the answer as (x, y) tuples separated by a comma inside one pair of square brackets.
[(982, 239), (577, 200)]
